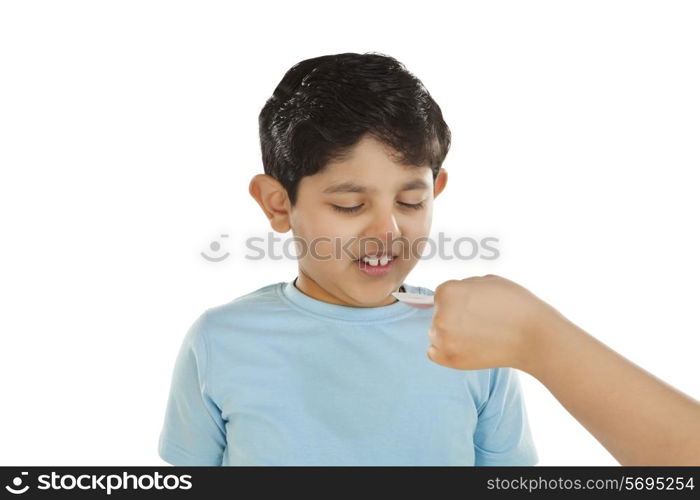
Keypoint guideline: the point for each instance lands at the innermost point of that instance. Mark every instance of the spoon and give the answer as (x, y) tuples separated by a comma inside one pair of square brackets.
[(415, 299)]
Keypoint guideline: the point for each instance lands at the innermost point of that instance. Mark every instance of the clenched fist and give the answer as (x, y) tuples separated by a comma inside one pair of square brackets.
[(485, 322)]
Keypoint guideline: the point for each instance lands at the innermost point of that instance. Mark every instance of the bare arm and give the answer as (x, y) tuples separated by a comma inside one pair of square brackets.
[(489, 321), (637, 417)]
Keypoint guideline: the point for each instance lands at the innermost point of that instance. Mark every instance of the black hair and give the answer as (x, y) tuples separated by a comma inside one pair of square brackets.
[(323, 106)]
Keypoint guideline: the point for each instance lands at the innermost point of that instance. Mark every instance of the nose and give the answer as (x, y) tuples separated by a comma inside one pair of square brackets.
[(381, 231)]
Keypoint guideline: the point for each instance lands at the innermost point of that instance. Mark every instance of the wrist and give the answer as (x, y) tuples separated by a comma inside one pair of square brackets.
[(540, 339)]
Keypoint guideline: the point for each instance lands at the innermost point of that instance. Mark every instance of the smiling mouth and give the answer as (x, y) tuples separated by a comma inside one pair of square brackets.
[(372, 256), (376, 263)]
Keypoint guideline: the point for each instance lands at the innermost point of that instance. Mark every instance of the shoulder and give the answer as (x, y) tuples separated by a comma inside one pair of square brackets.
[(245, 310), (261, 297)]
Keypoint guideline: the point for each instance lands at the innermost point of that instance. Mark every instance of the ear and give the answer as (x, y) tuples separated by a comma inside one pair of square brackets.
[(440, 182), (273, 199)]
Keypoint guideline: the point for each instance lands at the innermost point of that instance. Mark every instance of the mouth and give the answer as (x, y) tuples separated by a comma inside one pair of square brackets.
[(377, 259), (376, 266)]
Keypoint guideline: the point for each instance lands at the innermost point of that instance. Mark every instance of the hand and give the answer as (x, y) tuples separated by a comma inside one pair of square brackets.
[(489, 321), (484, 322)]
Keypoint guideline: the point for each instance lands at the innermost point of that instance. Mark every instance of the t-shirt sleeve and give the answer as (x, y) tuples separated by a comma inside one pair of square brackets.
[(502, 435), (193, 431)]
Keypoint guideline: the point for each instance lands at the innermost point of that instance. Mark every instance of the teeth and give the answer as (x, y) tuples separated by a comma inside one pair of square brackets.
[(373, 261)]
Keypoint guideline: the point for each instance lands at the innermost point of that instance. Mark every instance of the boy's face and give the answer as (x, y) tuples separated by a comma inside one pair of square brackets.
[(333, 240)]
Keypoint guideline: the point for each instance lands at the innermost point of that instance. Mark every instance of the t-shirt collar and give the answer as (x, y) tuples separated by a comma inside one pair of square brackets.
[(397, 310)]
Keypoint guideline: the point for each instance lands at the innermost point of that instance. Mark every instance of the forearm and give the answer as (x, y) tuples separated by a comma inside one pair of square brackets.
[(637, 417)]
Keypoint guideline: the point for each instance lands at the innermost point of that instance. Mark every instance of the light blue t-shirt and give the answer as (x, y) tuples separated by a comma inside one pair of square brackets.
[(276, 377)]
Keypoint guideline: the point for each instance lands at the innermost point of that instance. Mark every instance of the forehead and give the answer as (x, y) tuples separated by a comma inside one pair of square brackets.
[(355, 186), (370, 164)]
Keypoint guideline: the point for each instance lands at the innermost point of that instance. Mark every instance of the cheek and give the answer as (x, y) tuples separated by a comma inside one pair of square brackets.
[(420, 226), (327, 242), (414, 239)]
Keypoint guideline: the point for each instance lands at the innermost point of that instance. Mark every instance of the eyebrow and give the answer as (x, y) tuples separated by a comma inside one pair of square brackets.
[(351, 187)]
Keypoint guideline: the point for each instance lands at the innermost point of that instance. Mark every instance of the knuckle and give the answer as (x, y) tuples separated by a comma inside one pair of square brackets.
[(446, 290), (433, 354), (445, 285), (449, 355), (439, 323), (448, 347)]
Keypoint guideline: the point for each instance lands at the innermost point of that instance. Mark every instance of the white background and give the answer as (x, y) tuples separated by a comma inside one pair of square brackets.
[(129, 134)]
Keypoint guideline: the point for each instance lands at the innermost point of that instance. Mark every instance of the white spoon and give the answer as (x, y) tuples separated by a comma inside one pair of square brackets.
[(415, 299)]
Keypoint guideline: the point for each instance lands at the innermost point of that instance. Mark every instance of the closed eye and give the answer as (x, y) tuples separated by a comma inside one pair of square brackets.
[(415, 206), (346, 209)]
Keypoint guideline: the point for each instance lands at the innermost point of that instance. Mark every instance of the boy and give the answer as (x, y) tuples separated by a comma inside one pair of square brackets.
[(328, 368)]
